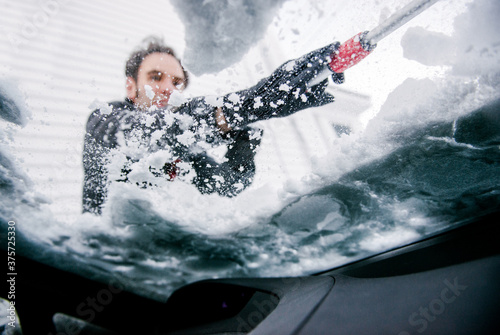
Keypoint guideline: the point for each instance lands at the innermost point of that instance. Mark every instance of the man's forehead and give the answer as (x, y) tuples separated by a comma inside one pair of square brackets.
[(162, 63)]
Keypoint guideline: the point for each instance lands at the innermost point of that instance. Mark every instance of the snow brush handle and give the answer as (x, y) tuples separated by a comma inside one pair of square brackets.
[(347, 55), (354, 50), (350, 53)]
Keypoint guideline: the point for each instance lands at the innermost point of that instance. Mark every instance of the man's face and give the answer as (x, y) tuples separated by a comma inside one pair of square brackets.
[(159, 75)]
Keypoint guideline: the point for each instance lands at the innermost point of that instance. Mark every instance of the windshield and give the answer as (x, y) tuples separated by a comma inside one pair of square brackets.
[(409, 147)]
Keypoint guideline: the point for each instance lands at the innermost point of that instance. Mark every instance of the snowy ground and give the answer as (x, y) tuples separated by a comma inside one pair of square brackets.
[(441, 66)]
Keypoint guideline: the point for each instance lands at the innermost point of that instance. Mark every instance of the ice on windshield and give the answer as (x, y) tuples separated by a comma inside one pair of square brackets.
[(409, 147)]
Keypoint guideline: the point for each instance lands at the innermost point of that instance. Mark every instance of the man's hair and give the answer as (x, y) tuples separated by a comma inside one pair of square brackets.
[(155, 44)]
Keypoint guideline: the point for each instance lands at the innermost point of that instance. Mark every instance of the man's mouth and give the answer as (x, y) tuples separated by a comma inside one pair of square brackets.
[(161, 103)]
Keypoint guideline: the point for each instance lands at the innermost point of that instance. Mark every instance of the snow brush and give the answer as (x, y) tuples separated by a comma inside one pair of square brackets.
[(361, 45)]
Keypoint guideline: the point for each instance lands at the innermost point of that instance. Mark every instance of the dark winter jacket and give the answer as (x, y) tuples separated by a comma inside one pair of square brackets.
[(187, 131), (110, 130)]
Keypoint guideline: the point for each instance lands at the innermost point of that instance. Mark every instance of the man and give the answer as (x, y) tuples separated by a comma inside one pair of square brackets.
[(148, 123)]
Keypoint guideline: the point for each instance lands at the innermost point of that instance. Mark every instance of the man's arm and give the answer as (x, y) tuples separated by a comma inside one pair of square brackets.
[(221, 121), (95, 175), (100, 137), (283, 93)]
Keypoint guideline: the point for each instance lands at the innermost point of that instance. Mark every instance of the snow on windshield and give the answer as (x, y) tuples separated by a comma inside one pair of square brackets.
[(395, 157)]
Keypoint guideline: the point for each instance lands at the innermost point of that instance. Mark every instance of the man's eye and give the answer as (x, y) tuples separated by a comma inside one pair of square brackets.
[(156, 77), (178, 83)]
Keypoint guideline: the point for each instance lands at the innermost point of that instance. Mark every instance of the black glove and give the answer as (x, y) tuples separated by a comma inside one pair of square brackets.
[(236, 173), (284, 92)]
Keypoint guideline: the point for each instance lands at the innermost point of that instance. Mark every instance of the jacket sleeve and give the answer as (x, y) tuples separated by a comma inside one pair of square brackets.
[(95, 174), (100, 138), (283, 93)]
